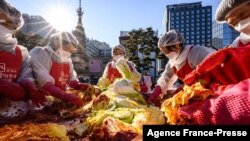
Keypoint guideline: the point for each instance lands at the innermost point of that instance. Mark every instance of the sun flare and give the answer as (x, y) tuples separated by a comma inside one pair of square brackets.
[(60, 17)]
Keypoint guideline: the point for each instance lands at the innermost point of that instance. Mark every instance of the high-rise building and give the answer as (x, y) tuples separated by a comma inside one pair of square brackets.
[(223, 35), (37, 25), (96, 48), (193, 20)]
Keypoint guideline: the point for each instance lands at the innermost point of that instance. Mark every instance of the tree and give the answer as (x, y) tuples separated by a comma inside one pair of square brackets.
[(30, 41), (144, 42)]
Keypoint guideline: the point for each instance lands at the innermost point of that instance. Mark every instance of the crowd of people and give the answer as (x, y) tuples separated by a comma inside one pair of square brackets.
[(26, 78)]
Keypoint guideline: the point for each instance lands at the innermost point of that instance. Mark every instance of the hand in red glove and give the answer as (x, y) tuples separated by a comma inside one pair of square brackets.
[(144, 88), (84, 86), (78, 85), (58, 93), (154, 97), (227, 66), (12, 90), (232, 106), (35, 94)]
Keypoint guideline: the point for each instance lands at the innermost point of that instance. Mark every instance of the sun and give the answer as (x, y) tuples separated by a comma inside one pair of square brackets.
[(60, 17)]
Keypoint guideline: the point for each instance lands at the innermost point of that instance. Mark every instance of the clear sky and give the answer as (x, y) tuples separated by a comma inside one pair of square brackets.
[(104, 19)]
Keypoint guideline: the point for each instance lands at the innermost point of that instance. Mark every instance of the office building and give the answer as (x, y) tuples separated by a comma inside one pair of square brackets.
[(193, 20), (223, 35)]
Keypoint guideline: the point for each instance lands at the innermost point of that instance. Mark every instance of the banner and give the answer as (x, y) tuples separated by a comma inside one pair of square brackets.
[(163, 132), (95, 65)]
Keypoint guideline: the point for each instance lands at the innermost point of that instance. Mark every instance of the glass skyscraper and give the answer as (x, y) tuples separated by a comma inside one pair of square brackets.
[(193, 20), (223, 35)]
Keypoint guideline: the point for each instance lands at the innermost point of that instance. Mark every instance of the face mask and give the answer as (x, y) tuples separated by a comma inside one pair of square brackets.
[(172, 55), (243, 26), (63, 54), (117, 57), (5, 31)]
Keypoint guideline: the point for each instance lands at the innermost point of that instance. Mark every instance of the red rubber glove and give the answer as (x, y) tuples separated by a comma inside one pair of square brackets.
[(78, 85), (227, 66), (59, 93), (84, 86), (12, 90), (232, 106), (154, 97), (35, 94), (144, 88)]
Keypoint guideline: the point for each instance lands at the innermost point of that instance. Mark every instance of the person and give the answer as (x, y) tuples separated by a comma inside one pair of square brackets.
[(146, 83), (119, 67), (226, 72), (237, 17), (17, 84), (182, 60), (233, 60), (53, 67)]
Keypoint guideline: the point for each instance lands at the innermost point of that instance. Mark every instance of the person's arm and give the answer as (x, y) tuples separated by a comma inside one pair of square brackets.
[(198, 54), (41, 64), (60, 94), (12, 90), (226, 66), (41, 68), (26, 70), (165, 81), (27, 81), (76, 84)]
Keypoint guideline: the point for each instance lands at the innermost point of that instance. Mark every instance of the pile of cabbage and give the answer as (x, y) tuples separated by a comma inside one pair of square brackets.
[(124, 106)]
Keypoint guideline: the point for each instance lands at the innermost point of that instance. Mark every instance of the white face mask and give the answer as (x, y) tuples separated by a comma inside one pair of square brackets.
[(172, 55), (243, 26), (5, 32), (6, 36), (63, 54), (117, 57)]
